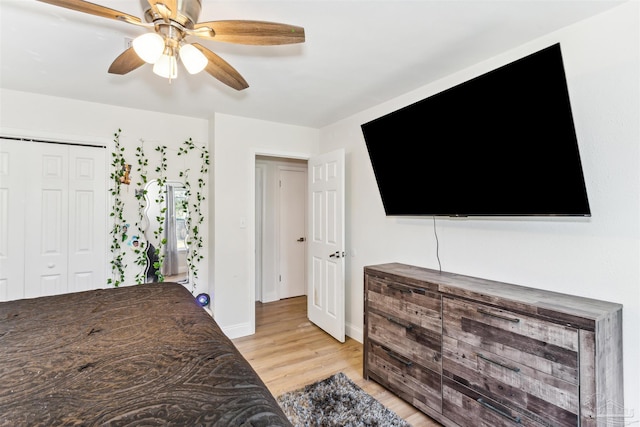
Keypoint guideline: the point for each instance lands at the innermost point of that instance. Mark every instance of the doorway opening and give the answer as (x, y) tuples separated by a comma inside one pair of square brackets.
[(280, 228)]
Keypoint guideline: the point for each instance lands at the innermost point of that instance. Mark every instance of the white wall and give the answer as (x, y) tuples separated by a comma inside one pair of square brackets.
[(597, 257), (236, 143), (60, 119)]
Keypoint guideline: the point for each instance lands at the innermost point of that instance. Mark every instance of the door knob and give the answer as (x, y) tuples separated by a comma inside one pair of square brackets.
[(336, 254), (302, 239)]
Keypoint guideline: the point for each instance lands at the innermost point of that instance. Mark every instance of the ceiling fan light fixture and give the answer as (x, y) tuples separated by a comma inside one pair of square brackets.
[(194, 60), (174, 20), (149, 47), (166, 66)]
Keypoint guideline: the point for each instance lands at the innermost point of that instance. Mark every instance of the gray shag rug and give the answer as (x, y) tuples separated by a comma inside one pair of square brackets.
[(336, 402)]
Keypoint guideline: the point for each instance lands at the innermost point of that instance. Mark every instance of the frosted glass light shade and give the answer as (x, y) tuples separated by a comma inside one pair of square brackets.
[(166, 67), (194, 60), (149, 47)]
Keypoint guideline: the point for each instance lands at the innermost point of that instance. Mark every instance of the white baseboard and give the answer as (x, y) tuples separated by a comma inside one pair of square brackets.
[(354, 332), (244, 329), (239, 330)]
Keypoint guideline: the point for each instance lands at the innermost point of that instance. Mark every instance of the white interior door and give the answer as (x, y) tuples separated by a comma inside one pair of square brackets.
[(326, 295), (292, 232)]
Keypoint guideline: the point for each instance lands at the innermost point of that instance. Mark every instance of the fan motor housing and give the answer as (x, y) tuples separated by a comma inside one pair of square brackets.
[(187, 12)]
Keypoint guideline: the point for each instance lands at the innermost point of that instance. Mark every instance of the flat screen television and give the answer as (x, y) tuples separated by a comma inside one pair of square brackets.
[(500, 144)]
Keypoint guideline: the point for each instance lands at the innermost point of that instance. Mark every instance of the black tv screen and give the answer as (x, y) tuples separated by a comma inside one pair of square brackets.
[(501, 144)]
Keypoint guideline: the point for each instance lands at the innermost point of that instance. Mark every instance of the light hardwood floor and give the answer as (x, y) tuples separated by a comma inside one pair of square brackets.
[(289, 352)]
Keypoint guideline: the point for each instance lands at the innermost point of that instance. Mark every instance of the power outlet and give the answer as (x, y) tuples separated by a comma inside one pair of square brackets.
[(128, 42)]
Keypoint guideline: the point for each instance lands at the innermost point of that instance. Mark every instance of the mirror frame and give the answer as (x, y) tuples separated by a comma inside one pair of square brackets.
[(155, 223)]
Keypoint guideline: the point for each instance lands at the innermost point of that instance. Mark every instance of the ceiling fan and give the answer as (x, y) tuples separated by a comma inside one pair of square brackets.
[(172, 22)]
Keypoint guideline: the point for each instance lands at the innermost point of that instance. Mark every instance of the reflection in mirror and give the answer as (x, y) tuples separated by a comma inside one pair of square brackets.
[(166, 233)]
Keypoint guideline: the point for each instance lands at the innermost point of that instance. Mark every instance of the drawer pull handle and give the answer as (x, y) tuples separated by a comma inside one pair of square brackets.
[(406, 289), (509, 319), (499, 411), (495, 362), (400, 288), (407, 326), (399, 358)]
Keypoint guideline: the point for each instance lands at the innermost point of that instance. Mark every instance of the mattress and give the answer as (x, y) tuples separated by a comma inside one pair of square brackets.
[(137, 355)]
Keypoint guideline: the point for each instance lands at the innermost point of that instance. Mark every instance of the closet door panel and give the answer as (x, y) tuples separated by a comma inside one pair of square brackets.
[(12, 193), (47, 213), (87, 218), (5, 275)]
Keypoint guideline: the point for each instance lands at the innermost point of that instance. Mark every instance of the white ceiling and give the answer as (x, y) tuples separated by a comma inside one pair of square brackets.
[(357, 53)]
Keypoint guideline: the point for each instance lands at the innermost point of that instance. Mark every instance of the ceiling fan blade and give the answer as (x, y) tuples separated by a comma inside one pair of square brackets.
[(95, 9), (127, 61), (221, 70), (252, 32), (165, 8)]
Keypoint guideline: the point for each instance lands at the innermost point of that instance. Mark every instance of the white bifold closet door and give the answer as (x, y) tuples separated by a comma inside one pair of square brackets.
[(53, 218)]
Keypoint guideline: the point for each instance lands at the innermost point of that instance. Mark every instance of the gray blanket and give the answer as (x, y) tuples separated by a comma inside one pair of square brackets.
[(140, 355)]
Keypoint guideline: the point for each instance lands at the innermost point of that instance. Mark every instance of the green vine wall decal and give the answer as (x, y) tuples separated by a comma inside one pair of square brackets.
[(119, 228), (141, 192), (124, 235), (158, 233), (195, 218)]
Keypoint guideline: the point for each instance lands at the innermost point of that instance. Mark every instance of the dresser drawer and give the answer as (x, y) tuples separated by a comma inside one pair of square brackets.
[(417, 385), (410, 303), (517, 361), (414, 342), (538, 344), (538, 395), (466, 408)]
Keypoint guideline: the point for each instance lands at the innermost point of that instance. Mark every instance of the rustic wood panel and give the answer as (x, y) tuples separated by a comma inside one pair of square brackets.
[(541, 345), (570, 309), (600, 409), (461, 405), (417, 344), (411, 303), (414, 383), (508, 382), (588, 397), (610, 370), (551, 333), (402, 273)]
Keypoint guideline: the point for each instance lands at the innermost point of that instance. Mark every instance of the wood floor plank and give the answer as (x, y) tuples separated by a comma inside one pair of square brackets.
[(289, 352)]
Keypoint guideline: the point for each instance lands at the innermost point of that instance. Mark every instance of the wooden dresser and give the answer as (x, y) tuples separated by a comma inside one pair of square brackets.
[(475, 352)]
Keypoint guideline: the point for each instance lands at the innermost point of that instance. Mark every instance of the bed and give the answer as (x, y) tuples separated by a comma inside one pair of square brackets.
[(138, 355)]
